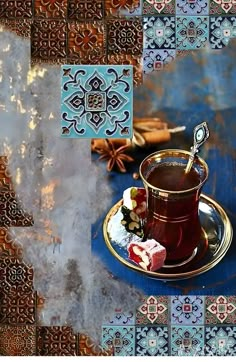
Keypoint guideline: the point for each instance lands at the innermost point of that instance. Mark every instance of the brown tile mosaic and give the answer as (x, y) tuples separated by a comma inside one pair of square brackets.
[(16, 9), (17, 340), (84, 10), (85, 39), (136, 61), (48, 39), (4, 174), (15, 276), (23, 27), (8, 246), (56, 341), (17, 308), (92, 58), (88, 348), (116, 7), (50, 9), (125, 36)]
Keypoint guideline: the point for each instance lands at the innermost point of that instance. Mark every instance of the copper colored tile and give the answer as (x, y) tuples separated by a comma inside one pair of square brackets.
[(4, 173), (88, 348), (56, 341), (50, 9), (125, 36), (83, 10), (85, 39), (11, 212), (116, 7), (16, 9), (15, 276), (130, 60), (48, 39), (17, 340), (17, 308), (23, 27), (92, 58), (8, 246)]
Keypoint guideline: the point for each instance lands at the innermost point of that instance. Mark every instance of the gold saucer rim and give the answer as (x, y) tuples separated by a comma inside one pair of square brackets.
[(225, 244)]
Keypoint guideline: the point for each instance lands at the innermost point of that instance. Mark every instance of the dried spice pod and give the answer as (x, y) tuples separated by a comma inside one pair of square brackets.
[(131, 221)]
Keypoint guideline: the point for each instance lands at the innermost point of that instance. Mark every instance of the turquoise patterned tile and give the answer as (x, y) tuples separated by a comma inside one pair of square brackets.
[(192, 32), (159, 32), (222, 29), (155, 7), (157, 59), (121, 318), (151, 341), (220, 341), (192, 7), (187, 341), (187, 310), (121, 338), (96, 101), (153, 310)]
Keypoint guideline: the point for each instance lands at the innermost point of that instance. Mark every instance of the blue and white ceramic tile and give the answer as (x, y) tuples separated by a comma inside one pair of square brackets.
[(121, 338), (121, 319), (96, 101), (187, 341), (222, 29), (156, 60), (159, 32), (192, 32), (151, 341), (192, 7), (187, 310), (220, 341)]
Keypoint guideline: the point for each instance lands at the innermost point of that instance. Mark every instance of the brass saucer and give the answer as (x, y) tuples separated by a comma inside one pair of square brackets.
[(217, 229)]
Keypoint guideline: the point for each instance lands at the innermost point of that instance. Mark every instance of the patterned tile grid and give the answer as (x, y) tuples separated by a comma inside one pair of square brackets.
[(101, 104), (174, 326)]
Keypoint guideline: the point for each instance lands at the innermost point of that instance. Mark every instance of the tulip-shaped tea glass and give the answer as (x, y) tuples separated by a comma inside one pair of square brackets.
[(172, 216)]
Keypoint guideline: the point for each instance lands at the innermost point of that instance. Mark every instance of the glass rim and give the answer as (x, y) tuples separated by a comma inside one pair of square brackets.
[(173, 152)]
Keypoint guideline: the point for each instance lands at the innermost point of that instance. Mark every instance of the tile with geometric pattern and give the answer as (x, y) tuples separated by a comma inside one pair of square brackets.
[(222, 29), (8, 246), (159, 32), (11, 211), (127, 59), (222, 7), (153, 310), (85, 10), (87, 347), (187, 340), (192, 32), (154, 7), (187, 310), (50, 9), (220, 341), (157, 59), (220, 309), (121, 318), (56, 341), (192, 7), (151, 341), (17, 340), (11, 9), (125, 7), (101, 104), (121, 338)]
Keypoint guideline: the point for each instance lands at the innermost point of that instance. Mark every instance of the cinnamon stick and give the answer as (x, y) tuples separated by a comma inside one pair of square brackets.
[(156, 136)]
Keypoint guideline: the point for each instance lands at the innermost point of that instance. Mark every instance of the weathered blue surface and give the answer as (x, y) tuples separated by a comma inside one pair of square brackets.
[(199, 87)]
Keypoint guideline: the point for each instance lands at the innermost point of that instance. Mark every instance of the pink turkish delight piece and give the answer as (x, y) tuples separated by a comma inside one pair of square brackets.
[(134, 198), (149, 255)]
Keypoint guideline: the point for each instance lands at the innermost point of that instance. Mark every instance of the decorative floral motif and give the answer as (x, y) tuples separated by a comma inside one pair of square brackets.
[(96, 102), (17, 308), (85, 39), (220, 341), (152, 7), (218, 7), (192, 7), (15, 276), (11, 213), (222, 29), (187, 310), (155, 60), (50, 9), (151, 341), (48, 39), (114, 7), (16, 8), (153, 310), (125, 36), (8, 247), (120, 318), (128, 59), (220, 310), (56, 341), (159, 32), (88, 348), (187, 341), (122, 339), (17, 340), (84, 10), (191, 32)]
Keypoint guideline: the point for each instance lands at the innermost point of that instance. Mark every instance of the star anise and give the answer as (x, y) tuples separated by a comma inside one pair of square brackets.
[(114, 156)]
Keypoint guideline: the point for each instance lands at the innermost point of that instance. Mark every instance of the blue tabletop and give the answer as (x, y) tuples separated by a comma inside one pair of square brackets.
[(201, 86)]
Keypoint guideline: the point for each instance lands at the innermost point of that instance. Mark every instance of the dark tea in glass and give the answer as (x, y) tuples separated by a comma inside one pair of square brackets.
[(172, 201)]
